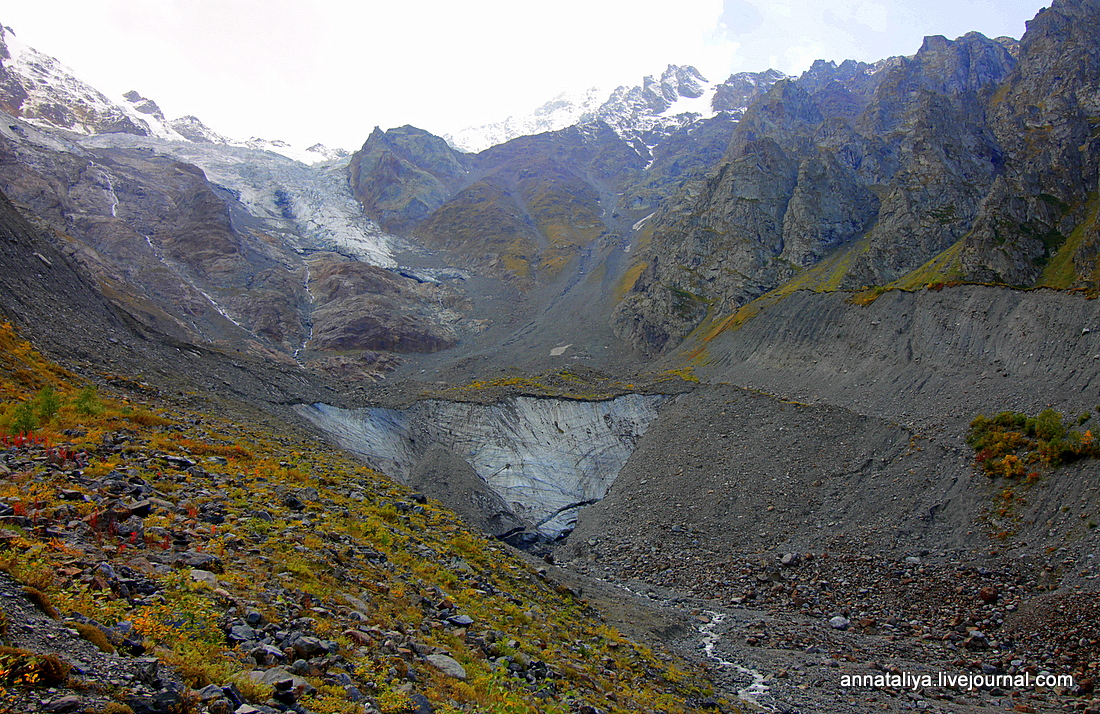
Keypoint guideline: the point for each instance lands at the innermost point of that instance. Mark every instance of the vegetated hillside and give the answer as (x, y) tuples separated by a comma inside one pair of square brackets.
[(261, 567), (524, 210), (521, 210), (975, 159)]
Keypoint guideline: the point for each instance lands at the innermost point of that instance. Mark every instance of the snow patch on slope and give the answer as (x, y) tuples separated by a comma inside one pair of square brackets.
[(677, 98)]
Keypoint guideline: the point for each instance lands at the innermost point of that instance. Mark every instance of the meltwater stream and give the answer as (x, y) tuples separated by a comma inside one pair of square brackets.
[(544, 458), (752, 693)]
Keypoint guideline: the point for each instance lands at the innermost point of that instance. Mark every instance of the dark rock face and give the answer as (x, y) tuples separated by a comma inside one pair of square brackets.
[(33, 270), (157, 232), (857, 175), (519, 210), (184, 258), (524, 209), (402, 175), (741, 90), (364, 307), (1045, 119)]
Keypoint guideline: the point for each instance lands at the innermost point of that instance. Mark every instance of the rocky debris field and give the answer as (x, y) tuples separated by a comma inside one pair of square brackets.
[(805, 620), (814, 542)]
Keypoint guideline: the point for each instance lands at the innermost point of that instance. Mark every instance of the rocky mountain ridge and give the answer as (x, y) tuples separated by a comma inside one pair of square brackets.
[(884, 172), (893, 161), (546, 199), (256, 251)]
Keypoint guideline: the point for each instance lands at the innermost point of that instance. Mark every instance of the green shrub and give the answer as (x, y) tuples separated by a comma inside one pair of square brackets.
[(23, 419), (1011, 419), (46, 404), (1048, 425), (87, 402), (1011, 442)]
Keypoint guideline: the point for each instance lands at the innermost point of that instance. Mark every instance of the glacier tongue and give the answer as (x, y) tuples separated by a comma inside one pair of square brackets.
[(545, 457)]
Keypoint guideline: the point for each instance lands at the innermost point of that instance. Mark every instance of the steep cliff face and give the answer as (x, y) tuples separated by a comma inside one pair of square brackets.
[(154, 233), (522, 210), (1046, 120), (888, 162), (42, 90), (643, 114), (519, 211), (75, 322)]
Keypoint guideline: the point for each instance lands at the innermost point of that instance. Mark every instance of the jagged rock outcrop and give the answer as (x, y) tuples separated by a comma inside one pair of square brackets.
[(1045, 120), (887, 163), (38, 88), (644, 114), (739, 91), (403, 175), (635, 112), (225, 261), (520, 210), (523, 209)]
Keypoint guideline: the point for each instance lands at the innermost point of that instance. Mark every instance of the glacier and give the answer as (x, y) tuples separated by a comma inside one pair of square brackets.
[(546, 458)]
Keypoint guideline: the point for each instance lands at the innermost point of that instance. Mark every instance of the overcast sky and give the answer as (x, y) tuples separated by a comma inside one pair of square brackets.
[(331, 70)]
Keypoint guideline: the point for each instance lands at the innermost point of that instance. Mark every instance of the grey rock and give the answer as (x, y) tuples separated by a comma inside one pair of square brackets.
[(278, 674), (448, 665), (200, 561), (64, 704), (205, 576), (210, 692), (242, 633), (796, 186)]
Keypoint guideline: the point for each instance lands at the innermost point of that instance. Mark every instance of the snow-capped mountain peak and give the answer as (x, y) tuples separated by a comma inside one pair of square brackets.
[(679, 96), (43, 91), (566, 109)]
